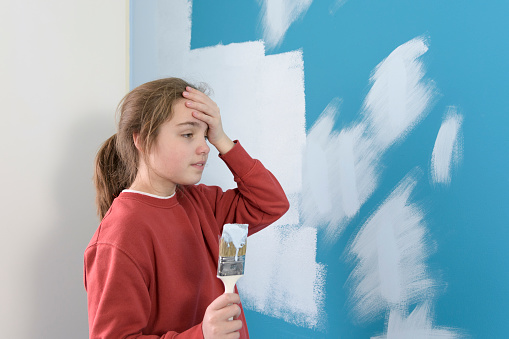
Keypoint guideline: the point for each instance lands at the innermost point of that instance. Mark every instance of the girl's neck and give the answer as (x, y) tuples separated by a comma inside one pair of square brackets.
[(144, 183)]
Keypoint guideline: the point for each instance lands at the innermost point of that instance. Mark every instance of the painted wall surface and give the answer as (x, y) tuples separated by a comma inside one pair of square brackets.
[(63, 70), (386, 123)]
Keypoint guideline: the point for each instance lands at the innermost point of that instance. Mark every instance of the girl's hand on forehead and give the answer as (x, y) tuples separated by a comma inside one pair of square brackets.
[(206, 110)]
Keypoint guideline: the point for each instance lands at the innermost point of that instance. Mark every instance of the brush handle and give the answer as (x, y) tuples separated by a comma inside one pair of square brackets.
[(229, 282)]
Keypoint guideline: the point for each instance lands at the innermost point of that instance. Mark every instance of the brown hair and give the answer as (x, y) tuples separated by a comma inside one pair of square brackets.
[(142, 111)]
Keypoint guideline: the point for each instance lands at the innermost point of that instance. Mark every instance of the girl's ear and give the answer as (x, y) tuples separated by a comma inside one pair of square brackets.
[(137, 142)]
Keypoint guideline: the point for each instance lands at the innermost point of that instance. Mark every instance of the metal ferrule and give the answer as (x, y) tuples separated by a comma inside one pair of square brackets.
[(229, 266)]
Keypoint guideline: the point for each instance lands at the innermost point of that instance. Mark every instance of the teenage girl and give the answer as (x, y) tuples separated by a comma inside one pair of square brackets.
[(150, 268)]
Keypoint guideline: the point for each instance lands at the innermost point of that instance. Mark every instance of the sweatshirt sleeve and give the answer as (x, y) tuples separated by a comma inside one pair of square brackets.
[(258, 200), (118, 298)]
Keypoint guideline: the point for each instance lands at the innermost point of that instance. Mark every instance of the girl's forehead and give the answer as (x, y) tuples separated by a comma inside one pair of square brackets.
[(183, 116)]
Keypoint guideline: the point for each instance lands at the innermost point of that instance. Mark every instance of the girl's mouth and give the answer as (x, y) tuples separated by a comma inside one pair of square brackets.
[(199, 165)]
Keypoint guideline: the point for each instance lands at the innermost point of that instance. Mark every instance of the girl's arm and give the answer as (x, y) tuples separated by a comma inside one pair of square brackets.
[(259, 199)]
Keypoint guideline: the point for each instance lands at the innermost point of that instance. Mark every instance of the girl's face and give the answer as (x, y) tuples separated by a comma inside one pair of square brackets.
[(180, 151)]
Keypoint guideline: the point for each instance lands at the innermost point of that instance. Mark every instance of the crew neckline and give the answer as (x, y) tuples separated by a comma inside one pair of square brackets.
[(149, 194)]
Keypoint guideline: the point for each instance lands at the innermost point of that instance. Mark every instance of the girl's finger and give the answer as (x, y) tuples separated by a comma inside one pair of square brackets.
[(203, 117), (224, 300), (201, 107), (196, 95), (228, 312), (201, 100), (233, 326)]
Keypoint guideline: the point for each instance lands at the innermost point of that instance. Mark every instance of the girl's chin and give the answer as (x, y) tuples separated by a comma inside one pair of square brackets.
[(192, 181)]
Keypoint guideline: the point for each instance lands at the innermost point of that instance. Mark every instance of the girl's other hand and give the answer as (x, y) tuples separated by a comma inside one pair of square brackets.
[(206, 110), (216, 323)]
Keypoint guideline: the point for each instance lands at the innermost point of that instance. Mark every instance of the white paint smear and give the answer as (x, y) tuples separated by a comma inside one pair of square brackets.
[(448, 148), (336, 178), (399, 97), (287, 282), (341, 170), (417, 325), (390, 253), (262, 104), (277, 17), (336, 5)]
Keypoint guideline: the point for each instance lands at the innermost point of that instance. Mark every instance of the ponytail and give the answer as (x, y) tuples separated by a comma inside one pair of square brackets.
[(109, 176)]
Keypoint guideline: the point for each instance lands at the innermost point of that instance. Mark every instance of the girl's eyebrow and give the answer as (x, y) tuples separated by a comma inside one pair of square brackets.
[(192, 123)]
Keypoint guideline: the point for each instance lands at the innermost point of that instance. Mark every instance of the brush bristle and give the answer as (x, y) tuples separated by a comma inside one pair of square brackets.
[(228, 249)]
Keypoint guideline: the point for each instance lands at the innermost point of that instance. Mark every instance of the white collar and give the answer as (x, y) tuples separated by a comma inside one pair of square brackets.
[(148, 194)]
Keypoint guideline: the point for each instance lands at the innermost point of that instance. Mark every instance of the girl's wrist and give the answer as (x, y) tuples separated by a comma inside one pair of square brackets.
[(224, 145)]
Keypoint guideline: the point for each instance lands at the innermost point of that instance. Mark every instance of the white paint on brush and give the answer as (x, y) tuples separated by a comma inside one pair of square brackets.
[(262, 103), (344, 168), (417, 325), (277, 17), (448, 148), (236, 234), (390, 254)]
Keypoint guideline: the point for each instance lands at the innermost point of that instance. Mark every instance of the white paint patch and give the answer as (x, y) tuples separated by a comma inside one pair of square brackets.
[(346, 173), (418, 325), (277, 17), (399, 97), (288, 282), (390, 253), (341, 170), (337, 175), (448, 148), (262, 103), (317, 190)]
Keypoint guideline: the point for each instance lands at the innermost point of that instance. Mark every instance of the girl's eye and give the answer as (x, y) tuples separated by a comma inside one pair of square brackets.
[(187, 135)]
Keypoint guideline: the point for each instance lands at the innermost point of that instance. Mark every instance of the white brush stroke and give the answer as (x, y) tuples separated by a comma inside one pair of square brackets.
[(335, 171), (399, 97), (390, 253), (448, 148), (336, 6), (282, 286), (343, 168), (262, 103), (418, 325), (278, 16)]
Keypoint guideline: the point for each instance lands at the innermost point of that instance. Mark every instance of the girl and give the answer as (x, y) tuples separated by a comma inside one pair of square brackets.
[(150, 268)]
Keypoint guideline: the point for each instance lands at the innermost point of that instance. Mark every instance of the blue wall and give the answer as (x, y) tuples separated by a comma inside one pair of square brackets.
[(468, 59)]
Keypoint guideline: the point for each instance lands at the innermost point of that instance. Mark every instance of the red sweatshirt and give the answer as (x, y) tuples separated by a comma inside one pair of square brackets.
[(150, 268)]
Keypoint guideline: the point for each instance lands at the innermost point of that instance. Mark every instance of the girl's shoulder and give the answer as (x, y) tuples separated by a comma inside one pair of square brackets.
[(200, 192), (123, 223), (124, 229)]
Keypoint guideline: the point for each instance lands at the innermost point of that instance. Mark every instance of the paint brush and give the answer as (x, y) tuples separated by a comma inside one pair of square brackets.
[(232, 255)]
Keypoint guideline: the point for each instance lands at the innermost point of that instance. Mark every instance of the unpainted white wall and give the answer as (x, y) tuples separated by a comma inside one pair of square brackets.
[(63, 70)]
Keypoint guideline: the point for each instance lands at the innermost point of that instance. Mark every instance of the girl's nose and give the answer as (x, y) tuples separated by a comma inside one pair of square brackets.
[(203, 148)]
